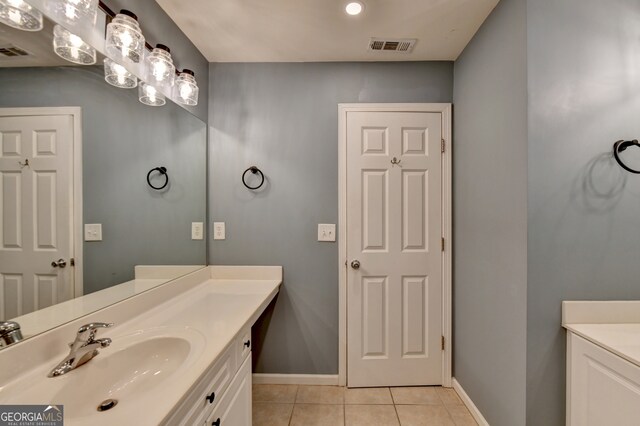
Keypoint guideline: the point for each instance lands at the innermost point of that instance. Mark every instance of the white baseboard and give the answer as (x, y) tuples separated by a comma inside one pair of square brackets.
[(295, 379), (477, 415)]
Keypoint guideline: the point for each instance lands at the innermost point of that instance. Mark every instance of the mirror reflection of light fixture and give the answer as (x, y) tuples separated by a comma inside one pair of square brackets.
[(20, 15), (74, 12), (72, 48), (125, 41), (118, 76), (149, 95), (160, 69), (185, 90)]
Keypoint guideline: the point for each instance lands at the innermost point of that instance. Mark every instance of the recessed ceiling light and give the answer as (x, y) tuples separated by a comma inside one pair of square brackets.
[(354, 8)]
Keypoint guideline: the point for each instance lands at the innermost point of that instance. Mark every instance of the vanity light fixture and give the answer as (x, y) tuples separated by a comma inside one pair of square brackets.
[(125, 41), (72, 48), (74, 12), (118, 76), (186, 88), (18, 14), (149, 95), (160, 69), (354, 8)]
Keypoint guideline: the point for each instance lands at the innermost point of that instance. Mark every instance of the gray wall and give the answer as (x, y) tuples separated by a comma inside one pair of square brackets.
[(157, 27), (122, 140), (584, 242), (490, 216), (284, 119)]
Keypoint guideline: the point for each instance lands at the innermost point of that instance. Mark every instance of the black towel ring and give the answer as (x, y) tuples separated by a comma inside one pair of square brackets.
[(620, 146), (162, 171), (254, 170)]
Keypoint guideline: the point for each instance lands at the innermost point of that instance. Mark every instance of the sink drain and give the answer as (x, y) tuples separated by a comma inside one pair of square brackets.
[(107, 404)]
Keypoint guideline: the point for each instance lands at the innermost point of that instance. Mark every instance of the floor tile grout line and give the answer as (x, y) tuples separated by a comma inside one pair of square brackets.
[(295, 398)]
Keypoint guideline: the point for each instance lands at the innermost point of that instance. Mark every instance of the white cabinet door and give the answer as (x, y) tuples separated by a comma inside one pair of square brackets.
[(602, 388), (394, 231), (234, 408)]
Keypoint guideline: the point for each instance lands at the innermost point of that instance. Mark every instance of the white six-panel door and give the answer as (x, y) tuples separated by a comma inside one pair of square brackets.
[(36, 212), (394, 231)]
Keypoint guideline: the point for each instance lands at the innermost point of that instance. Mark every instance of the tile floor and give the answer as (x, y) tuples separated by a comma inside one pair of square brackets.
[(276, 405)]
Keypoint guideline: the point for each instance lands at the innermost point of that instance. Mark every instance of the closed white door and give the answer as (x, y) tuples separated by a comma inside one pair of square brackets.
[(394, 234), (36, 214)]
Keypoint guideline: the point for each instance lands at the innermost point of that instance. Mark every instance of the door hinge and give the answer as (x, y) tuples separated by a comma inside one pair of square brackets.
[(443, 145), (442, 343), (72, 261), (442, 243)]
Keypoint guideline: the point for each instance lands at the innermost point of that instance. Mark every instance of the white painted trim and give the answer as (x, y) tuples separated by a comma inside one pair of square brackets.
[(447, 232), (477, 415), (447, 257), (76, 178), (295, 379)]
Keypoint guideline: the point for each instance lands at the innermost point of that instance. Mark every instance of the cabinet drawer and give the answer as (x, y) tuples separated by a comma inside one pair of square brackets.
[(206, 396), (244, 345)]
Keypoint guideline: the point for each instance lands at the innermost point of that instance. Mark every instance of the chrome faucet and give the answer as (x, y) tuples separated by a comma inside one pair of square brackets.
[(83, 348), (9, 333)]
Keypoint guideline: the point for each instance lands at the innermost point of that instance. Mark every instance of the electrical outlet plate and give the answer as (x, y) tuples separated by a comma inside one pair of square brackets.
[(219, 232), (326, 232), (197, 230), (93, 232)]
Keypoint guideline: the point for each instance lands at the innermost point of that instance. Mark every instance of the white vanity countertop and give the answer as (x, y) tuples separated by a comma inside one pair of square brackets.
[(613, 325), (146, 278), (209, 315)]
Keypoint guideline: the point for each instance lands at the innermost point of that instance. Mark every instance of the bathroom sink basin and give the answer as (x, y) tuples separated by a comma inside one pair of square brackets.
[(129, 371)]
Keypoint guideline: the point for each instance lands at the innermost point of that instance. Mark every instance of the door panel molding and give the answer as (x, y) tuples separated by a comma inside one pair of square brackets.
[(412, 145)]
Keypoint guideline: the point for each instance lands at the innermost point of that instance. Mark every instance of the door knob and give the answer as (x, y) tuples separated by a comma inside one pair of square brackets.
[(61, 263), (355, 264)]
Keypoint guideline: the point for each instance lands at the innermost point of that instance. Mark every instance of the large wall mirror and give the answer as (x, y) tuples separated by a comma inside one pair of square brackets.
[(78, 217)]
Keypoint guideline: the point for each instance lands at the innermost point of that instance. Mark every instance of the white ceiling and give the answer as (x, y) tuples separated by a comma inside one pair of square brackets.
[(320, 30)]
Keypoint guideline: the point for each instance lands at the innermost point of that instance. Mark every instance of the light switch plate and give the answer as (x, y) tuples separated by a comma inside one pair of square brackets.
[(326, 232), (197, 230), (219, 232), (93, 232)]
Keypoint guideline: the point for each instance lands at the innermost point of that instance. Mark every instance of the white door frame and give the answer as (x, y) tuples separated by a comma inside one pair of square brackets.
[(76, 178), (445, 110)]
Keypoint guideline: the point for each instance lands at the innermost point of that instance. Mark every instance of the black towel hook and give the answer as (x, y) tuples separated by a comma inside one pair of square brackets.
[(163, 171), (254, 170), (620, 146)]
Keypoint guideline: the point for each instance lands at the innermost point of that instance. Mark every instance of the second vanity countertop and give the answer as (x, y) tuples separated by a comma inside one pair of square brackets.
[(195, 327), (612, 325)]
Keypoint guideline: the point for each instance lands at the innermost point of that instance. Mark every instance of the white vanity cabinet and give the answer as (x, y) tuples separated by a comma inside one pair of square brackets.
[(234, 408), (223, 394), (602, 387)]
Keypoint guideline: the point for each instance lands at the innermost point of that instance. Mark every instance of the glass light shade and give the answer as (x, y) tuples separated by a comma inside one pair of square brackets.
[(71, 47), (160, 69), (185, 90), (117, 75), (20, 15), (149, 95), (74, 12), (125, 41)]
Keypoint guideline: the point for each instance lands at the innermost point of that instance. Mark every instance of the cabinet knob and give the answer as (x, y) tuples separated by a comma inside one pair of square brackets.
[(211, 397), (247, 343), (216, 423)]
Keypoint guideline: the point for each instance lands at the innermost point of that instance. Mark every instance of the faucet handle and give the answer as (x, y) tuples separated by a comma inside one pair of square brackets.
[(88, 331)]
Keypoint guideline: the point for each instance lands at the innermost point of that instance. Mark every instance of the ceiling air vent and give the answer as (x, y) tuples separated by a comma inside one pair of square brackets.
[(10, 51), (402, 45)]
